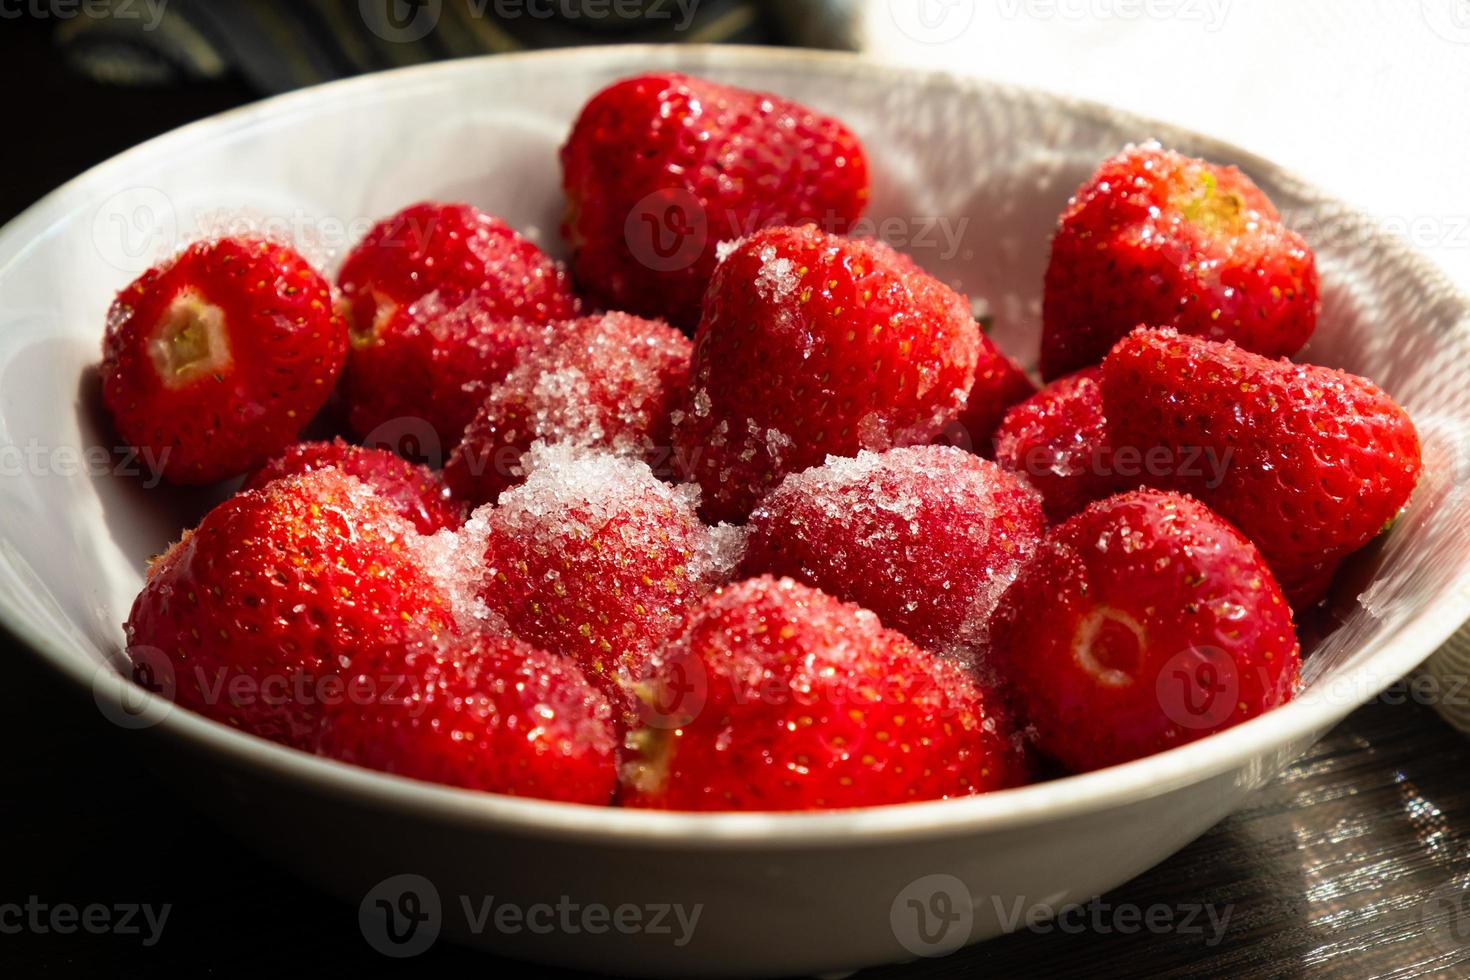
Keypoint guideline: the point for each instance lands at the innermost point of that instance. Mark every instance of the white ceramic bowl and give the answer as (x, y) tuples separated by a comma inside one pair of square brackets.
[(778, 893)]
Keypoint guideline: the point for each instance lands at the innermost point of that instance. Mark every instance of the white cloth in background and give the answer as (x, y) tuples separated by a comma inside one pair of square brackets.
[(1368, 99)]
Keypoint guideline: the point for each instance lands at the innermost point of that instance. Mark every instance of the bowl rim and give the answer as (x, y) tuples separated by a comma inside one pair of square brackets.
[(1306, 718)]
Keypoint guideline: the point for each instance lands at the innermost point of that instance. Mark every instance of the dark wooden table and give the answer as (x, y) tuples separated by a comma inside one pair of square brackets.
[(1355, 863)]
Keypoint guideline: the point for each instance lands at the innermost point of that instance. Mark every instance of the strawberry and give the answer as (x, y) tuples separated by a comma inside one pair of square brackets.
[(1058, 441), (1162, 239), (926, 537), (607, 382), (660, 169), (776, 696), (1310, 463), (482, 712), (999, 384), (416, 493), (259, 610), (814, 345), (1143, 623), (595, 559), (415, 387), (217, 358), (426, 294)]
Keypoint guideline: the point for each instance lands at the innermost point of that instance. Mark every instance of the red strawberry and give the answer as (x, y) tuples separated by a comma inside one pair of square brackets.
[(259, 610), (482, 712), (594, 558), (928, 538), (1143, 623), (1058, 441), (217, 358), (778, 697), (1310, 463), (1159, 238), (999, 384), (814, 345), (426, 294), (417, 385), (606, 382), (416, 493), (662, 168)]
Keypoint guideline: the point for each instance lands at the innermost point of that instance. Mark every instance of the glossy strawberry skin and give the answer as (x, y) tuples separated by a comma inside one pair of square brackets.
[(1057, 441), (778, 697), (1000, 384), (814, 345), (1143, 623), (260, 609), (426, 295), (926, 537), (660, 169), (594, 559), (415, 386), (415, 492), (1161, 239), (217, 358), (1310, 463), (480, 712), (608, 382)]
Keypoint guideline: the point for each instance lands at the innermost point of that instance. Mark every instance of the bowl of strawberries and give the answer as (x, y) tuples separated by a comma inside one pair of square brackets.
[(605, 506)]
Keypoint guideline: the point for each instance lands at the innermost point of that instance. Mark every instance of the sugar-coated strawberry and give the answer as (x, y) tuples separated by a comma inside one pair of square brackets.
[(1310, 463), (483, 712), (660, 169), (1058, 441), (417, 384), (596, 559), (427, 293), (259, 610), (814, 345), (1163, 239), (416, 492), (606, 382), (217, 358), (775, 696), (999, 385), (1143, 623), (927, 537)]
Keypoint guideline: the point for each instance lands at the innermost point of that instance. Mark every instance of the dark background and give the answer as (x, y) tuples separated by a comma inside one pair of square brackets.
[(1332, 871)]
